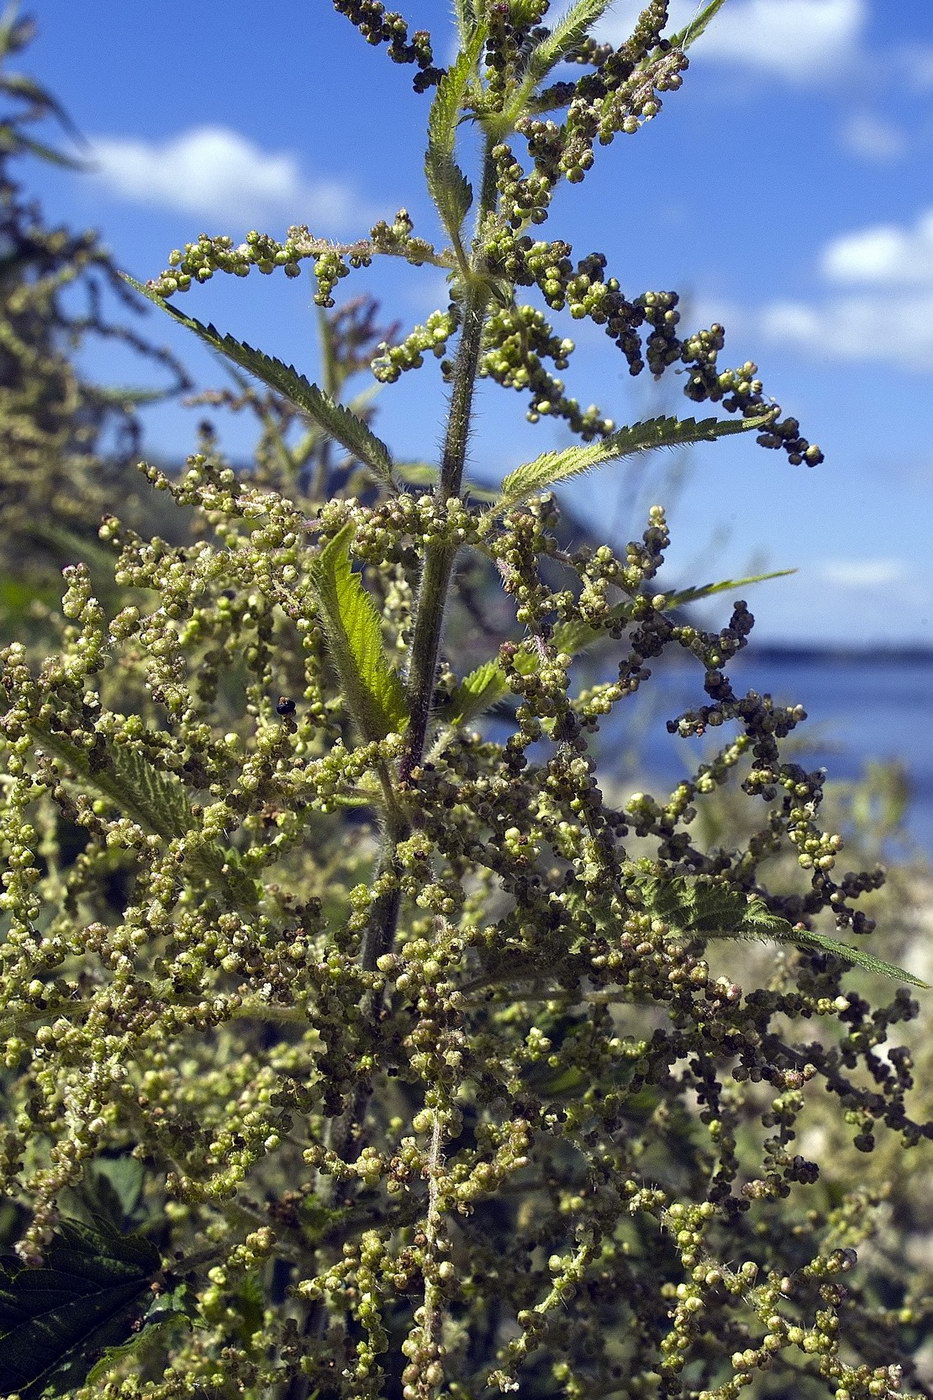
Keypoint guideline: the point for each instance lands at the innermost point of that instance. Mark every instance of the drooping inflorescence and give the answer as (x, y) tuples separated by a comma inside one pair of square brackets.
[(365, 1035)]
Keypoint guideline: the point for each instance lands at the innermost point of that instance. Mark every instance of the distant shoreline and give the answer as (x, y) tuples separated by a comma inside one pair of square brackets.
[(793, 653)]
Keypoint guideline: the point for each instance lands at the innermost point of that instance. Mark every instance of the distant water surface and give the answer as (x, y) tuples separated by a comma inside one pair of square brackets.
[(860, 707)]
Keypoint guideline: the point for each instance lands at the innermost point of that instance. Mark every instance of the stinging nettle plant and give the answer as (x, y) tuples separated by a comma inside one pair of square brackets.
[(348, 1052)]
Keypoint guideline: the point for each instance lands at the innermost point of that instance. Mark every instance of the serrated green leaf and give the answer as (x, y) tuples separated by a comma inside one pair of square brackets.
[(568, 32), (551, 467), (447, 183), (154, 799), (480, 690), (692, 31), (683, 596), (855, 955), (463, 13), (336, 419), (475, 693), (55, 1320), (710, 909), (372, 689)]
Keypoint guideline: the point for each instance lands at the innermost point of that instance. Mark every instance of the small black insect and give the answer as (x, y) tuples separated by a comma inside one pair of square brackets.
[(285, 706)]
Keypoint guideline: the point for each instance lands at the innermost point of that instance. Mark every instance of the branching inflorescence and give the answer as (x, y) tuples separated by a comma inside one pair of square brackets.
[(373, 1055)]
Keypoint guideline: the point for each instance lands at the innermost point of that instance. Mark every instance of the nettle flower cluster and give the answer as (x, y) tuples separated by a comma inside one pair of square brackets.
[(354, 1048)]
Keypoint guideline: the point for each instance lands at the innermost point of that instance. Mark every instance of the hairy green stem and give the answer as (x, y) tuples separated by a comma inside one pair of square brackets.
[(439, 558), (429, 621)]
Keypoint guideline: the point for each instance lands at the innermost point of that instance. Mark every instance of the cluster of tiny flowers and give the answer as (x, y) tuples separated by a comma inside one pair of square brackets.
[(379, 26), (423, 1054), (331, 262), (619, 96), (521, 335)]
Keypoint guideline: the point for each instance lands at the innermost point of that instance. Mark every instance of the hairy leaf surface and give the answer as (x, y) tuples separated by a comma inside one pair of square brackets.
[(551, 467), (567, 33), (710, 909), (373, 690), (336, 419), (153, 798), (449, 187)]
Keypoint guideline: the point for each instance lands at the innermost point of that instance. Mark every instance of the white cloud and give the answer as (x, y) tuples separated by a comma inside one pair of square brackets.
[(916, 64), (873, 138), (886, 318), (885, 254), (885, 328), (793, 39), (216, 173), (863, 573)]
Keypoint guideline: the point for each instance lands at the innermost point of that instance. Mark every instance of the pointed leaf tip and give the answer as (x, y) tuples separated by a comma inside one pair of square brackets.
[(552, 467), (335, 418)]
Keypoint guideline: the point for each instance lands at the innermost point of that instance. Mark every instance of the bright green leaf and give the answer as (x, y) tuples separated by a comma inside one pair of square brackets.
[(373, 690), (475, 693), (447, 183), (336, 420), (480, 690), (551, 467)]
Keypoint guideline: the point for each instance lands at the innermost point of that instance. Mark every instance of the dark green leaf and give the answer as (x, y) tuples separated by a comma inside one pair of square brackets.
[(55, 1320), (854, 955), (152, 797), (336, 420), (683, 596)]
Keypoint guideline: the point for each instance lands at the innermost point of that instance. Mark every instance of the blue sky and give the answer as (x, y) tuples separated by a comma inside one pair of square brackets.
[(786, 190)]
